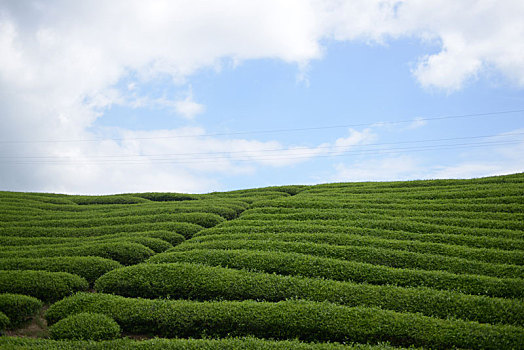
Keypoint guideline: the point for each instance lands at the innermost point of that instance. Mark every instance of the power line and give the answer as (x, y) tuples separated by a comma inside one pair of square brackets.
[(274, 131), (267, 150), (277, 158)]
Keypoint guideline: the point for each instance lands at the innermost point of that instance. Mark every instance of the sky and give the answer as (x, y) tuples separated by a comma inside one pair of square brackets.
[(121, 96)]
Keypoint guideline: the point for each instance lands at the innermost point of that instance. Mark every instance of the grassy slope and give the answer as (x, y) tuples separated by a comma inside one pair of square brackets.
[(451, 251)]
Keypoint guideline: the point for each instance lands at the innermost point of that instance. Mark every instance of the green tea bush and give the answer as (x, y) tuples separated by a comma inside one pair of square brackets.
[(202, 219), (360, 238), (156, 244), (171, 237), (19, 307), (88, 267), (44, 285), (303, 320), (112, 199), (310, 266), (229, 343), (85, 326), (184, 228), (4, 321), (126, 253), (294, 227), (199, 282), (166, 196), (371, 255)]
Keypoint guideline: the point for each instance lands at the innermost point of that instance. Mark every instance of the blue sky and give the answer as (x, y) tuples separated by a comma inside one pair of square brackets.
[(141, 97)]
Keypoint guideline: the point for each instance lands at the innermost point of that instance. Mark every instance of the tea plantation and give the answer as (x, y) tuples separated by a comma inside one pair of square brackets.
[(432, 264)]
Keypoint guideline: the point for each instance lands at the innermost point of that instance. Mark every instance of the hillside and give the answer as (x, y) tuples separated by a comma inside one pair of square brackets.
[(371, 265)]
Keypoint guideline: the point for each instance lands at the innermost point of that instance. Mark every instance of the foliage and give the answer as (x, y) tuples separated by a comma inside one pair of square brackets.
[(19, 307), (46, 286), (85, 326)]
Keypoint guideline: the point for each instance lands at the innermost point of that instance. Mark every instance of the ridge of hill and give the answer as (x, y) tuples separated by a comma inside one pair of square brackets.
[(366, 265)]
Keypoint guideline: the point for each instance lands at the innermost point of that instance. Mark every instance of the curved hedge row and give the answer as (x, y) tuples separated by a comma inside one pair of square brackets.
[(287, 227), (388, 223), (19, 307), (155, 244), (340, 270), (309, 321), (44, 285), (245, 343), (171, 237), (85, 326), (371, 255), (496, 256), (186, 229), (202, 219), (111, 199), (199, 282), (448, 218), (10, 242), (126, 253), (88, 267), (327, 202)]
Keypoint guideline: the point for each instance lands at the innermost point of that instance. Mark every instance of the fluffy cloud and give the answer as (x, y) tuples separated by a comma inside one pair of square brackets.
[(61, 61)]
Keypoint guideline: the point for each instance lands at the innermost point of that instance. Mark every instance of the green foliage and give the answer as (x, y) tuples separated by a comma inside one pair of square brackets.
[(167, 196), (199, 282), (310, 266), (85, 326), (171, 237), (371, 255), (88, 267), (308, 321), (113, 199), (184, 228), (243, 343), (156, 244), (347, 236), (126, 253), (46, 286), (4, 321), (19, 307)]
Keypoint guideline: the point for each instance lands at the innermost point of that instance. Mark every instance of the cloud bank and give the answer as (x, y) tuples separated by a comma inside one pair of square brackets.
[(61, 62)]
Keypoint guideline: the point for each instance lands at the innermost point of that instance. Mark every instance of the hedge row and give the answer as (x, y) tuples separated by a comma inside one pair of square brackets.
[(512, 221), (19, 308), (85, 326), (88, 267), (44, 285), (199, 282), (112, 199), (186, 229), (245, 343), (170, 237), (202, 219), (391, 223), (340, 270), (371, 255), (286, 227), (327, 202), (308, 321), (349, 238), (126, 253), (488, 191), (222, 208), (4, 321)]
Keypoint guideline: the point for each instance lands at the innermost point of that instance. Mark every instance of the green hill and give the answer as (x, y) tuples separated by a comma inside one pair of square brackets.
[(370, 265)]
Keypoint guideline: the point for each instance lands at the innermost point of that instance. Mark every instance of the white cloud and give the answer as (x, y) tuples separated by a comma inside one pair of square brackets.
[(187, 107), (383, 169), (499, 159), (61, 60)]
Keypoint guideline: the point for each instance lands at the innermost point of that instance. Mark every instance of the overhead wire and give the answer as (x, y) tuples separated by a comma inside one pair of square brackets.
[(272, 131)]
